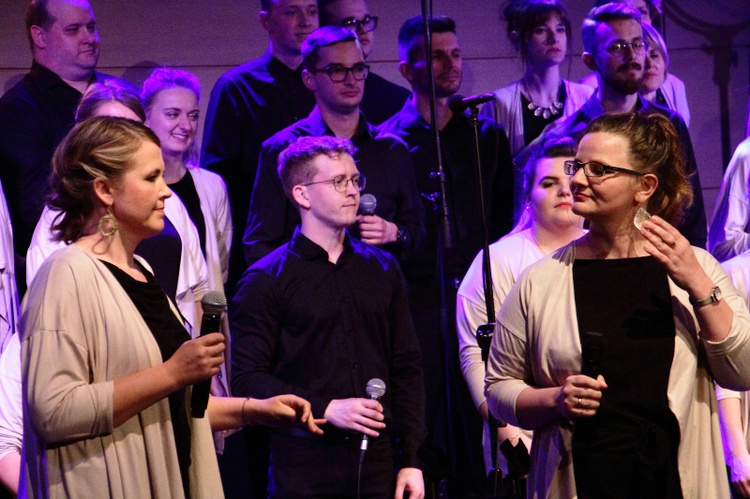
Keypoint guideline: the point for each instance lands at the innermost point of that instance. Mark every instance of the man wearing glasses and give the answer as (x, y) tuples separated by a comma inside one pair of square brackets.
[(382, 98), (615, 49), (322, 316), (335, 71)]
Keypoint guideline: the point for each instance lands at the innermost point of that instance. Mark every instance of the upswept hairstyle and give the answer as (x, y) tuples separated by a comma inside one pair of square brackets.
[(324, 37), (37, 14), (564, 147), (412, 32), (522, 16), (163, 79), (297, 161), (655, 40), (609, 12), (97, 148), (653, 147), (110, 90)]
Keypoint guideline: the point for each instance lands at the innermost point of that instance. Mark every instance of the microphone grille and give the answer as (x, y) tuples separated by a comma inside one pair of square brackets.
[(213, 302), (367, 204), (455, 103), (375, 388)]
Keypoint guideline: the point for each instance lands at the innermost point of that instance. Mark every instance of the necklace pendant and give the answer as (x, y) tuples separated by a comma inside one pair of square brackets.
[(532, 106), (546, 114), (538, 111)]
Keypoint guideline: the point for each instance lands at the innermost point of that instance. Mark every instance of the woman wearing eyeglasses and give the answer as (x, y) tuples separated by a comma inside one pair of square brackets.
[(652, 320)]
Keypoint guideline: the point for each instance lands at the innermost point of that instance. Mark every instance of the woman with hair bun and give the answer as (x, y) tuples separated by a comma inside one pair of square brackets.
[(540, 31), (108, 366), (608, 348)]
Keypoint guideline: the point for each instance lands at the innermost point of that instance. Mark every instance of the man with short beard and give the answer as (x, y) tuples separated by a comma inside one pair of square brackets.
[(615, 49)]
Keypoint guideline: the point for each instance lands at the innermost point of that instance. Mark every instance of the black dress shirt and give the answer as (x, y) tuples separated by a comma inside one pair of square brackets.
[(303, 325), (461, 186), (382, 99), (382, 158), (693, 226), (35, 115), (248, 104)]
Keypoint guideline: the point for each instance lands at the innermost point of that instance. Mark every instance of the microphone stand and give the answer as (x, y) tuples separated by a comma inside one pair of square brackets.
[(445, 239)]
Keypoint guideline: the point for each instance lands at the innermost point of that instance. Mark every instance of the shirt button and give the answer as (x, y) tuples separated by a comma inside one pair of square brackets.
[(354, 365)]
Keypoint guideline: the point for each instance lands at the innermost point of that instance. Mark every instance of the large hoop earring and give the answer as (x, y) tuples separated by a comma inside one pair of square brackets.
[(108, 224)]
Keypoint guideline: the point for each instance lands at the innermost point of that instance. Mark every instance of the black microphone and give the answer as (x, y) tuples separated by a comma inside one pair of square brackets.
[(375, 389), (591, 353), (459, 103), (367, 205), (213, 303)]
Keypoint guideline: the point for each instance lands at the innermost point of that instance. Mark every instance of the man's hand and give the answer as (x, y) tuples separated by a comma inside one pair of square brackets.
[(375, 230), (362, 415), (410, 479)]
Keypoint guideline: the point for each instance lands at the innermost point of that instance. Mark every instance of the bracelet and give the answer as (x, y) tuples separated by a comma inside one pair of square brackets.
[(242, 412)]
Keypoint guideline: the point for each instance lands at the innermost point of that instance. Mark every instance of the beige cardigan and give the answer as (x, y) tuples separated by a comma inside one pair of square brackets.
[(536, 343), (80, 332)]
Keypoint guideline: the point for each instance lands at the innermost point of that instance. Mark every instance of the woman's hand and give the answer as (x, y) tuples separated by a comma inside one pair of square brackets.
[(197, 360), (673, 251), (741, 474), (280, 411), (580, 396)]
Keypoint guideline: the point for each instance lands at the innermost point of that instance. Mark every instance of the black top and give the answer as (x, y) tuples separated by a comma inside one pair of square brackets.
[(303, 325), (151, 302), (534, 125), (381, 157), (185, 190), (35, 114), (628, 301), (163, 252), (462, 190), (382, 99), (248, 104)]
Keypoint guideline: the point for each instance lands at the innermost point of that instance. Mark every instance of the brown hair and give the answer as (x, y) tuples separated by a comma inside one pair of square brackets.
[(296, 162), (37, 14), (523, 16), (109, 91), (97, 148), (653, 147)]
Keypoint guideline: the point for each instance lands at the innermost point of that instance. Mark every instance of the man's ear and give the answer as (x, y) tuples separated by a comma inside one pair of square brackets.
[(308, 80), (589, 61), (299, 193), (263, 18), (38, 37), (405, 69)]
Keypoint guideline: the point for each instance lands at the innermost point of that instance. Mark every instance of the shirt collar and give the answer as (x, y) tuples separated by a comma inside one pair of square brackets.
[(278, 70), (309, 250), (593, 107), (317, 127), (46, 78)]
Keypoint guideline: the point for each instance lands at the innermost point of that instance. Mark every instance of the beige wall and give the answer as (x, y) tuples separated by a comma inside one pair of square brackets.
[(210, 36)]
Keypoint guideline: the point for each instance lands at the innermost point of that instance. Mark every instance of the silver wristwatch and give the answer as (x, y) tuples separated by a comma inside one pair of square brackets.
[(713, 297)]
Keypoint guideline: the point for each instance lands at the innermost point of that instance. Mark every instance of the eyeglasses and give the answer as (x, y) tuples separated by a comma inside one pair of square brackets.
[(620, 49), (369, 23), (340, 183), (594, 169), (337, 74)]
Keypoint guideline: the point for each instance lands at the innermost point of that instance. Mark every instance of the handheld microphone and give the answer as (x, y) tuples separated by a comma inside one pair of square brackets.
[(213, 303), (459, 103), (591, 353), (367, 205), (375, 389)]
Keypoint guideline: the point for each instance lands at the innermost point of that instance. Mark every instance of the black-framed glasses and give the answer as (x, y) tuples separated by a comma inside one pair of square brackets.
[(594, 169), (340, 183), (620, 49), (337, 74), (368, 23)]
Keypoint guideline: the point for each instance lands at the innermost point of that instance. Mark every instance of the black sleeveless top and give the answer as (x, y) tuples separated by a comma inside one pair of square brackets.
[(629, 448), (151, 301)]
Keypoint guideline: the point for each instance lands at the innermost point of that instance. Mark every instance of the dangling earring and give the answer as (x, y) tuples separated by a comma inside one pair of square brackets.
[(640, 216), (108, 224)]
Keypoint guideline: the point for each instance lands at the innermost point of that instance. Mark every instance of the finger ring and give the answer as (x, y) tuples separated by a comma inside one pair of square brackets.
[(578, 404)]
